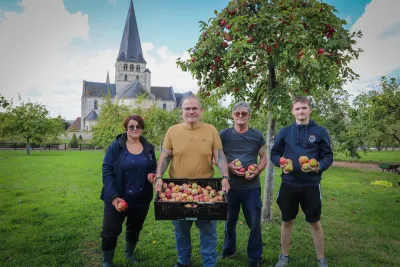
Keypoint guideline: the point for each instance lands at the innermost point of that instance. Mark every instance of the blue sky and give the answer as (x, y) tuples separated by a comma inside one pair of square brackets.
[(64, 42)]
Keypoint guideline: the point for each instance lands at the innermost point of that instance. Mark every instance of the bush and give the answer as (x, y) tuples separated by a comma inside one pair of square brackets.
[(80, 138), (74, 142)]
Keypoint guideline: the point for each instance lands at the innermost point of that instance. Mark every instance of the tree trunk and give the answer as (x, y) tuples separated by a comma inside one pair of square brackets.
[(266, 213), (28, 146)]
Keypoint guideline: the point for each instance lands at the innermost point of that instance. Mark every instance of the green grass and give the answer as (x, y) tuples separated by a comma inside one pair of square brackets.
[(383, 156), (51, 215)]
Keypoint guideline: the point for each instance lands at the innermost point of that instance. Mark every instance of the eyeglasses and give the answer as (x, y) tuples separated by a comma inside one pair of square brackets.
[(238, 113), (135, 128), (193, 108)]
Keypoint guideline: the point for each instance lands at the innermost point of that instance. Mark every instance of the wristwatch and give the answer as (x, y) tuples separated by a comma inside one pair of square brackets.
[(226, 177)]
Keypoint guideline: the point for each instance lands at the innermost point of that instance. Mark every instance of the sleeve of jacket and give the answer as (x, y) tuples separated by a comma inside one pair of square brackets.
[(154, 167), (109, 176), (278, 148), (326, 153)]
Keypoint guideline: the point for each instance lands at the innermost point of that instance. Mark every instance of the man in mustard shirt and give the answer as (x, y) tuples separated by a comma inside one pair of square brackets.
[(190, 147)]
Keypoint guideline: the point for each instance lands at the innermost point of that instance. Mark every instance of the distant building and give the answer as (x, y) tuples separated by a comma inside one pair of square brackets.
[(132, 79)]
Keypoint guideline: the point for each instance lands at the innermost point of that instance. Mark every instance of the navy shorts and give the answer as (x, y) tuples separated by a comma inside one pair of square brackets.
[(309, 198)]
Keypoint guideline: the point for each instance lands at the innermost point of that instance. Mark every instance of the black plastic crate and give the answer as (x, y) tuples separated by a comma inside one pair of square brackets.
[(203, 211)]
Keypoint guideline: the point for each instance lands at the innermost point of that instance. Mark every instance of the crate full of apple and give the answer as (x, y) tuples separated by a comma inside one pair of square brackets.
[(191, 199)]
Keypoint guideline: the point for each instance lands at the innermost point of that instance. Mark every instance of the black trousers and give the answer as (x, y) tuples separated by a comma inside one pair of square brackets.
[(113, 220)]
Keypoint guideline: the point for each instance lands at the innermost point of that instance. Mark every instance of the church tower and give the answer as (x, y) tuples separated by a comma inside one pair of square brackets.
[(130, 65)]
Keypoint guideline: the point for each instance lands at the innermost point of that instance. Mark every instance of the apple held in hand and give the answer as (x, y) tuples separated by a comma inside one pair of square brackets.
[(288, 168), (238, 163), (122, 205), (313, 163), (252, 167), (303, 159), (282, 161), (242, 170)]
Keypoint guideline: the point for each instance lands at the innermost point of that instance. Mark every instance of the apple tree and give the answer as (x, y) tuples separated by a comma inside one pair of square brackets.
[(266, 52)]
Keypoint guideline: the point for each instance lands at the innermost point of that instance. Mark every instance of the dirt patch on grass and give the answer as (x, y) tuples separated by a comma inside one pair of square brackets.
[(357, 165)]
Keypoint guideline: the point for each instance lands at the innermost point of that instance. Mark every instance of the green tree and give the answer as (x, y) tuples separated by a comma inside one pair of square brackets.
[(30, 121), (110, 122), (80, 139), (74, 142), (265, 52), (379, 111)]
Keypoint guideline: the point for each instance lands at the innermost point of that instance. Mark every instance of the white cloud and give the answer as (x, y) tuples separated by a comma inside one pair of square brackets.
[(37, 62), (381, 55)]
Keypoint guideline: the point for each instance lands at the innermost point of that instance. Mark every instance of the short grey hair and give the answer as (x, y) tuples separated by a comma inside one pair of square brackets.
[(192, 97), (241, 104)]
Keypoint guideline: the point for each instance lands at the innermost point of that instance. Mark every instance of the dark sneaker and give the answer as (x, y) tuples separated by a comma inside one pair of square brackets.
[(322, 262), (225, 255), (283, 261), (178, 264)]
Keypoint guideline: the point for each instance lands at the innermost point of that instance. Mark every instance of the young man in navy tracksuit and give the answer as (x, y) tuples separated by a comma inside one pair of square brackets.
[(302, 186)]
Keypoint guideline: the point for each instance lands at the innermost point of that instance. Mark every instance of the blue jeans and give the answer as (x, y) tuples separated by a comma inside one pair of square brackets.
[(208, 241), (251, 204)]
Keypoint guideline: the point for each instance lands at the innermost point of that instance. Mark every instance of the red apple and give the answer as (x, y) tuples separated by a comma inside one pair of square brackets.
[(236, 89), (229, 38), (282, 161), (252, 167), (122, 205), (250, 39), (242, 170), (269, 49), (321, 50), (303, 159)]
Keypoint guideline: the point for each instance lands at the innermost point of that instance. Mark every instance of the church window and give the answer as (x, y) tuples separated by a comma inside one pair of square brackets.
[(138, 68), (131, 67), (95, 104), (137, 77), (164, 106), (125, 67), (126, 77)]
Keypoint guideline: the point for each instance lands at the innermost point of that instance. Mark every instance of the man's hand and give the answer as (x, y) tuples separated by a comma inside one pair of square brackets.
[(235, 169), (252, 173), (158, 185), (225, 185), (151, 177), (115, 203), (311, 169)]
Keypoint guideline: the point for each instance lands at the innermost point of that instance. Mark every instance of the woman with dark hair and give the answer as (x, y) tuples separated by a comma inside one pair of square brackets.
[(129, 169)]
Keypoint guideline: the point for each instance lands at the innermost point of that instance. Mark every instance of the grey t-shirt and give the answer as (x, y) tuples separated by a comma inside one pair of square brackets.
[(245, 147)]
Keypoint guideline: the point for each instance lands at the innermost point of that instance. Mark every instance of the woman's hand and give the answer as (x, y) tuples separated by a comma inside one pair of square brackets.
[(151, 177), (115, 203)]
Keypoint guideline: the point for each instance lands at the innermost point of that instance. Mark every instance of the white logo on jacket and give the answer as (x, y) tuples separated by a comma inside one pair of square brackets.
[(311, 138)]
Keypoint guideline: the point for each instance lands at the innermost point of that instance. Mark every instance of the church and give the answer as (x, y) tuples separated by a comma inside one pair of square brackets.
[(132, 79)]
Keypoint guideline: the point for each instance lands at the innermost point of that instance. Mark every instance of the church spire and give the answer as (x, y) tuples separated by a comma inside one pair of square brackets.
[(108, 78), (131, 48)]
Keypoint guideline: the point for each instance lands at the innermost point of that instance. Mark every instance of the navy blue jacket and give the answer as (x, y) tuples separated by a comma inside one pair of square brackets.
[(309, 140), (112, 169)]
